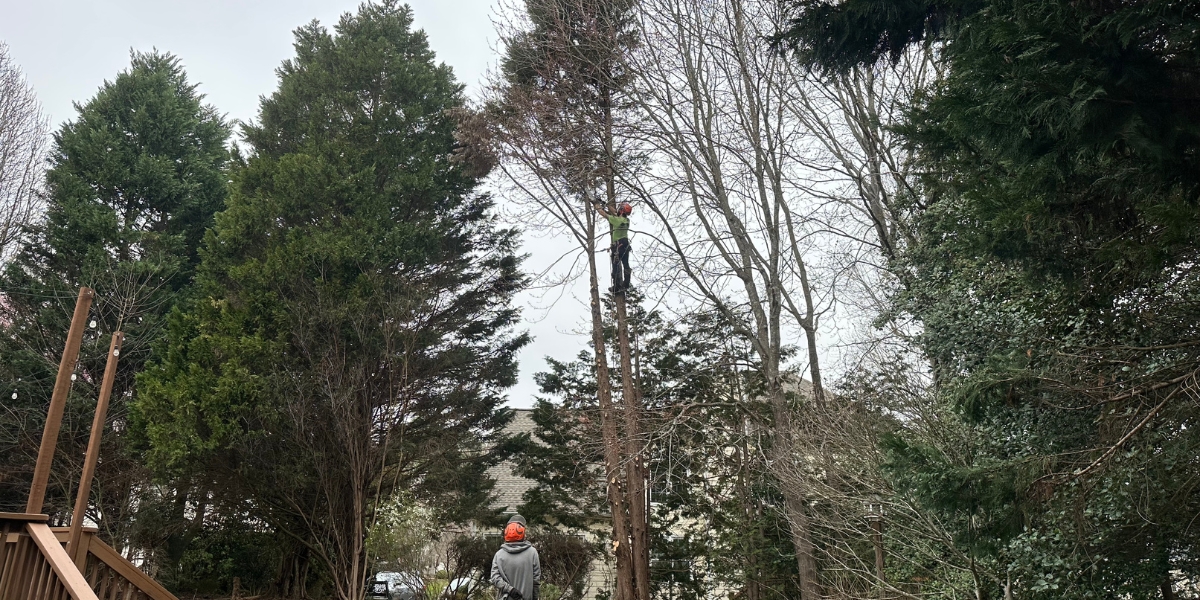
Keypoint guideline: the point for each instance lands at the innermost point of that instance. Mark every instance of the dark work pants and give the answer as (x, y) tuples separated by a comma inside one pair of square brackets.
[(619, 253)]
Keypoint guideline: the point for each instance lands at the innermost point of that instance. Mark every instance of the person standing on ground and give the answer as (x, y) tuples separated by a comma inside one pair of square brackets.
[(619, 253), (516, 568)]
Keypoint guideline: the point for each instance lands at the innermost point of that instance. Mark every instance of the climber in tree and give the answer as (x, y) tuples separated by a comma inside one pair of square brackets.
[(619, 253)]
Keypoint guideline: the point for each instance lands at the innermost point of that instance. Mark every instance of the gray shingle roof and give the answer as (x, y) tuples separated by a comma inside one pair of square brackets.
[(510, 486)]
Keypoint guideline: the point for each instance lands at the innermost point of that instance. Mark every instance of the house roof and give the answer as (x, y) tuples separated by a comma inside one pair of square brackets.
[(510, 487)]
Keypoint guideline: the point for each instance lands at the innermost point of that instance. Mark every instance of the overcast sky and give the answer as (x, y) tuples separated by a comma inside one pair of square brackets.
[(67, 49)]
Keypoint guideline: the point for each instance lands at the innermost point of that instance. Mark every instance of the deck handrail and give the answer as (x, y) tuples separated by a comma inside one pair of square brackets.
[(28, 517), (63, 566), (113, 560), (34, 565)]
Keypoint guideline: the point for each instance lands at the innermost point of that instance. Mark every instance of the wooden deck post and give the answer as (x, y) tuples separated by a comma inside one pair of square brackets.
[(93, 449), (58, 401)]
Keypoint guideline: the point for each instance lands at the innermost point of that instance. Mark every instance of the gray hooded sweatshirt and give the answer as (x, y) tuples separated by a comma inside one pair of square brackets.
[(517, 566)]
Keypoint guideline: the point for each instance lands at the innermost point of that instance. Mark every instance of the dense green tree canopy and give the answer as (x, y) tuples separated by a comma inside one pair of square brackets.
[(134, 182), (1054, 278), (1070, 128), (352, 332)]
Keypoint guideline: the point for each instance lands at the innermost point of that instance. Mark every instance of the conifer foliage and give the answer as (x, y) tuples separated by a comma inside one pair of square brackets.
[(133, 183), (715, 521), (352, 330), (1055, 279)]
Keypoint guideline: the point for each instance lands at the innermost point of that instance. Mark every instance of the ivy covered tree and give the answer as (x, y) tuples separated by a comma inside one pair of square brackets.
[(134, 181), (352, 332), (1055, 280)]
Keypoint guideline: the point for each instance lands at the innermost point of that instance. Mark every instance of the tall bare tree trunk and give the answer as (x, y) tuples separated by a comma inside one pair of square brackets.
[(1168, 590), (751, 513), (783, 459), (358, 571), (635, 476), (635, 469), (610, 438), (557, 130)]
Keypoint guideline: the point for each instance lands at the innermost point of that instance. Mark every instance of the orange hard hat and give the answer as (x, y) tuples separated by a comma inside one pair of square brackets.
[(514, 532)]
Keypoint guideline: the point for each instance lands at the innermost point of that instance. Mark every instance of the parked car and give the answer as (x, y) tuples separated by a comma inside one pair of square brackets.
[(401, 586)]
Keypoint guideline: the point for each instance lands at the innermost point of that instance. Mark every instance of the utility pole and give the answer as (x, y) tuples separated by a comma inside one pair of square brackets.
[(93, 449), (58, 401)]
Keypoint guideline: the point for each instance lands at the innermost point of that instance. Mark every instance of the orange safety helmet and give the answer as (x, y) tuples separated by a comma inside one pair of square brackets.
[(514, 532), (624, 210)]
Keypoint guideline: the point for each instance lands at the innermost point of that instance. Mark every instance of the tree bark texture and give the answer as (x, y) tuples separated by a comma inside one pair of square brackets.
[(783, 457), (610, 437), (635, 470)]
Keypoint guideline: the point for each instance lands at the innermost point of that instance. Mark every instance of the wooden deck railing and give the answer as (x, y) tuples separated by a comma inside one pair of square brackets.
[(110, 575), (35, 566)]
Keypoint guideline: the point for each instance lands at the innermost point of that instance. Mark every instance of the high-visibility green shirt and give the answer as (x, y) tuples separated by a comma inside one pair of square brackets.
[(620, 227)]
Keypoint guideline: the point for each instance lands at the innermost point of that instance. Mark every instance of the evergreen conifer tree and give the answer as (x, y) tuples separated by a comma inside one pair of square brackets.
[(1055, 280), (714, 519), (133, 183), (352, 333)]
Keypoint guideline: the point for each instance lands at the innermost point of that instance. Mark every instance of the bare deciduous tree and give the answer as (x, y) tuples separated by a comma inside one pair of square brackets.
[(863, 178), (781, 195), (558, 108), (729, 191), (23, 135)]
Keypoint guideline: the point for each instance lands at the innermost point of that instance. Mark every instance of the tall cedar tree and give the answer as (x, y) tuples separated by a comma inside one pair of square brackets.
[(562, 100), (133, 183), (353, 331), (1055, 278)]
